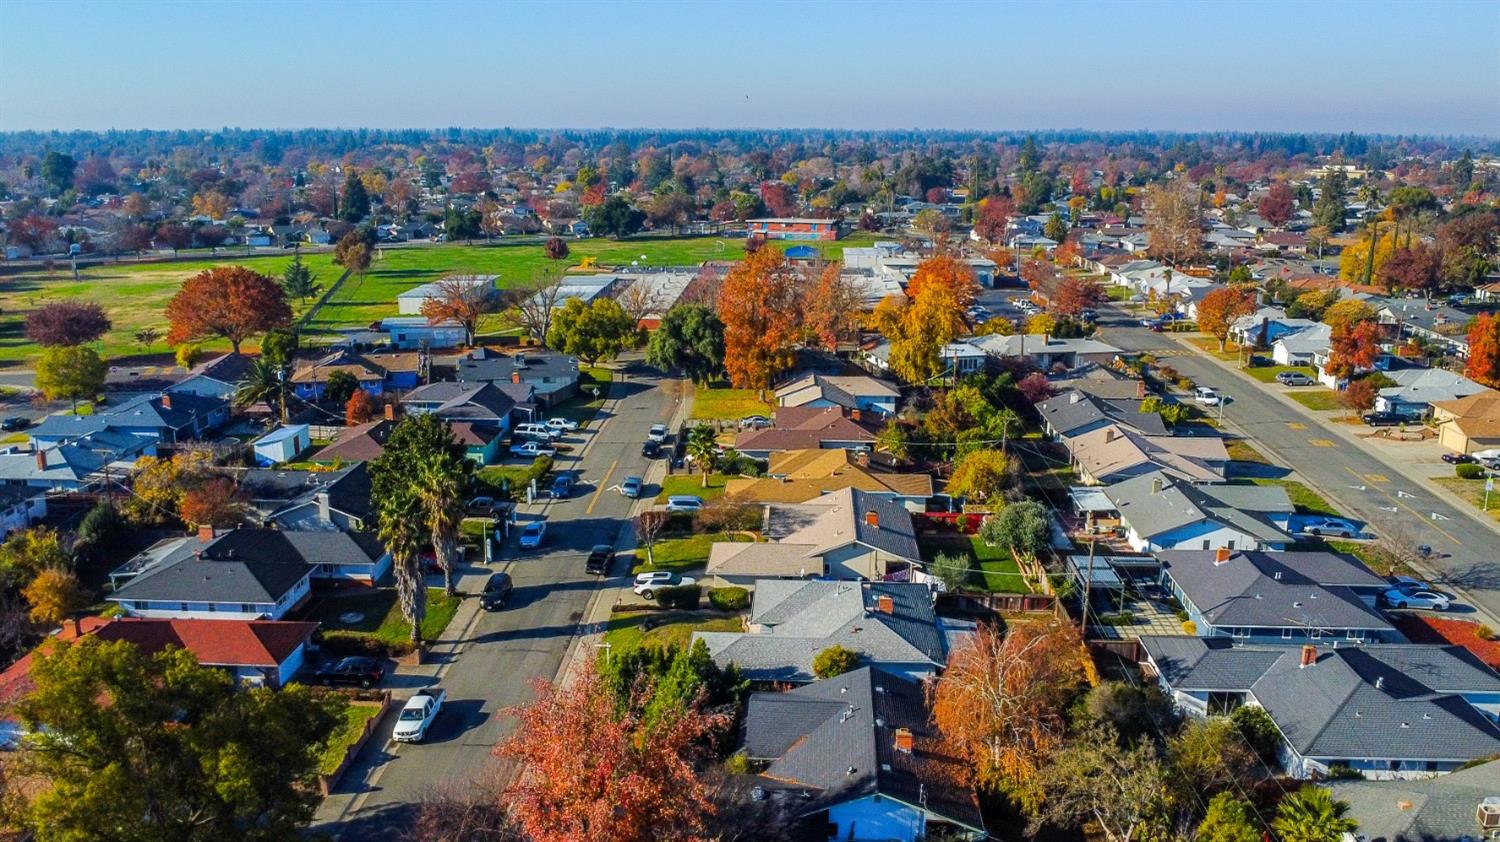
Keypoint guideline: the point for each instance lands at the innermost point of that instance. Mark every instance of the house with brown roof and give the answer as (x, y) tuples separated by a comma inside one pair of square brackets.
[(810, 428), (359, 443), (1470, 423), (1114, 452), (797, 476), (375, 373)]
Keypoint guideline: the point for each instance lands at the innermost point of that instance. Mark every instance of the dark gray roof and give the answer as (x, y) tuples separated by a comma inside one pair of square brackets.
[(547, 370), (1151, 510), (1075, 410), (1440, 809), (273, 492), (1275, 590), (802, 618), (836, 737), (140, 412), (477, 402)]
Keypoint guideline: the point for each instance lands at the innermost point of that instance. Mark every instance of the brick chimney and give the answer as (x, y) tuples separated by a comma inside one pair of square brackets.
[(872, 519), (855, 415), (904, 740), (1221, 556), (1156, 485), (390, 412), (205, 532), (885, 604), (1140, 389), (862, 458), (41, 459), (515, 377), (1309, 656), (166, 400)]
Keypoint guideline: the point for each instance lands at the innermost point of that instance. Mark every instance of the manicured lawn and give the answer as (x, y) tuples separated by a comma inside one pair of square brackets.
[(1115, 292), (1242, 451), (681, 553), (513, 477), (728, 404), (1307, 501), (1210, 345), (669, 628), (380, 614), (1267, 373), (583, 407), (345, 734), (1363, 552), (1318, 399), (1471, 491), (692, 484), (998, 572)]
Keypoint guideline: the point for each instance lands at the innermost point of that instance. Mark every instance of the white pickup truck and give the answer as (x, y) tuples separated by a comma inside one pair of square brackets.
[(418, 714)]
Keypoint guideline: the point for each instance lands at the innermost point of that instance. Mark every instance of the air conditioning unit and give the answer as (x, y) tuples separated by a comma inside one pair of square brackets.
[(1488, 814)]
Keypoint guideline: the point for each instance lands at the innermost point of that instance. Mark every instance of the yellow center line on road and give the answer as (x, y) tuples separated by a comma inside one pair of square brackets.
[(1421, 517), (600, 489)]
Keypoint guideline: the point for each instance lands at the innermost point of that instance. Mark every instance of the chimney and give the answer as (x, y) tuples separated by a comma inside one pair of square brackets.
[(904, 740), (1221, 556), (862, 458), (1110, 434), (41, 459), (1075, 397), (885, 604), (205, 532), (515, 377), (322, 498), (855, 415), (1156, 485), (1140, 389), (872, 519), (166, 400), (390, 412), (1309, 656)]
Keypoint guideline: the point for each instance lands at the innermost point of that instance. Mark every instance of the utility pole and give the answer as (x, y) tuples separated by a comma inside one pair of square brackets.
[(1088, 587)]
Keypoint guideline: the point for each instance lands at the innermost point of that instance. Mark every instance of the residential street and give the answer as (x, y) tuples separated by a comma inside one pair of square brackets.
[(502, 652), (1356, 481)]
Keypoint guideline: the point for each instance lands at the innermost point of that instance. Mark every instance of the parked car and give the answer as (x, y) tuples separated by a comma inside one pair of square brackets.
[(1293, 378), (531, 535), (754, 422), (1416, 599), (532, 449), (1089, 315), (418, 715), (561, 425), (483, 506), (1206, 396), (13, 423), (684, 503), (650, 450), (647, 584), (562, 486), (1154, 326), (631, 487), (496, 590), (599, 560), (658, 433), (1331, 526), (1458, 458), (1383, 419), (537, 431), (356, 671), (1410, 584)]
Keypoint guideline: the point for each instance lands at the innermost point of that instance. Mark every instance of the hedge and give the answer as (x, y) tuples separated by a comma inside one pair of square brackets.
[(682, 596), (729, 599), (1469, 470), (359, 643)]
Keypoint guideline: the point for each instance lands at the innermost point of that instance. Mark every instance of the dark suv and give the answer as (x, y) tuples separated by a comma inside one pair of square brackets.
[(496, 592), (599, 559), (364, 672)]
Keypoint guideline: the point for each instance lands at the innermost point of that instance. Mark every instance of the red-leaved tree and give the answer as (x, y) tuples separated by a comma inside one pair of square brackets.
[(1276, 206), (1035, 387), (1074, 295), (778, 198), (1353, 349), (1359, 395), (66, 323), (360, 407), (1414, 268), (228, 301)]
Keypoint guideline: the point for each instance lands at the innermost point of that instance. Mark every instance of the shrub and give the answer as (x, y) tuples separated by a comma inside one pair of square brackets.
[(357, 643), (1189, 627), (1469, 470), (834, 661), (1484, 632), (729, 599), (1259, 730), (1182, 616), (990, 532), (682, 596), (738, 764), (1186, 384)]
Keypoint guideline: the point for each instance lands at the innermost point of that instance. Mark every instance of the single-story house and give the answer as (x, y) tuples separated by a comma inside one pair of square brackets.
[(217, 378), (1417, 389), (414, 332), (475, 288), (861, 749), (1044, 350), (1435, 323), (809, 428), (359, 443), (553, 377), (1276, 597), (305, 501), (1075, 412), (1386, 711), (1450, 807), (167, 417), (1299, 347), (798, 476), (20, 507), (481, 405), (375, 373), (1262, 328), (1115, 452), (850, 392), (1470, 423), (75, 463), (845, 534), (282, 444), (1158, 513), (892, 625)]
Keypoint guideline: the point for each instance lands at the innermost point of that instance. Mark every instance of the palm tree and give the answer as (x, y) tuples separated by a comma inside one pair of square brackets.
[(1312, 815), (702, 446), (399, 527), (262, 383), (441, 481)]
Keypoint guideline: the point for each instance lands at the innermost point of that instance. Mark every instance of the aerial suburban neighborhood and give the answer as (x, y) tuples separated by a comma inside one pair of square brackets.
[(888, 485)]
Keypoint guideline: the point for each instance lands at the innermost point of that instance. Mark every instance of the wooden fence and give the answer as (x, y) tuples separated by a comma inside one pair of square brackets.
[(326, 783), (995, 603)]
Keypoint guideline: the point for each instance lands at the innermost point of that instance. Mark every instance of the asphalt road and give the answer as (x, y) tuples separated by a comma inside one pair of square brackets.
[(504, 651), (1355, 481)]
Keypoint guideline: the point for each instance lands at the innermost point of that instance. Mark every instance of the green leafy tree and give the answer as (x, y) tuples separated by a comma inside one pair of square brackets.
[(57, 170), (690, 338), (1328, 210), (984, 475), (298, 281), (445, 473), (399, 525), (952, 569), (702, 446), (1259, 730), (1312, 814), (340, 387), (894, 438), (264, 382), (421, 477), (1230, 818), (356, 198), (26, 553), (100, 532), (834, 661), (460, 224), (70, 372), (1134, 712), (137, 748), (1123, 790), (280, 346), (615, 217), (1056, 228), (1025, 528), (593, 332)]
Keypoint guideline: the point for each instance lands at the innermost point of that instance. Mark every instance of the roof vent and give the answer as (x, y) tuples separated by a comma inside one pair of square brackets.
[(1277, 576), (1379, 682), (851, 771)]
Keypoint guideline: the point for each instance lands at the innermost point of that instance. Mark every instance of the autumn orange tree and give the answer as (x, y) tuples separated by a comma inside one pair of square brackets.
[(1353, 349), (1219, 310), (226, 301), (761, 308), (946, 272), (1484, 351), (1001, 703), (589, 770), (212, 501), (832, 308), (360, 407), (1072, 296)]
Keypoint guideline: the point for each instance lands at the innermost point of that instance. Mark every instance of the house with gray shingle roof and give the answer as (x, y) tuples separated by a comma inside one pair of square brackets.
[(1160, 513), (860, 748), (1385, 711), (1074, 413), (892, 625), (1277, 597), (850, 392), (1446, 807), (166, 417), (1417, 389), (74, 463)]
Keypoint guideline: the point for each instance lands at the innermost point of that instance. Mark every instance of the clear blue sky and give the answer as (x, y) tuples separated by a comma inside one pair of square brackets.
[(1428, 67)]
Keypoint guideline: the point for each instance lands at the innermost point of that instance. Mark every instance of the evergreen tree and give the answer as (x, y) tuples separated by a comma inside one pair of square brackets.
[(356, 198)]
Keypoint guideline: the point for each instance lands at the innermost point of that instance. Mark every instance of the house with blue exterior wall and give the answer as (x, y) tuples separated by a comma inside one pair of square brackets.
[(1389, 711), (480, 413), (375, 373), (850, 392), (167, 417)]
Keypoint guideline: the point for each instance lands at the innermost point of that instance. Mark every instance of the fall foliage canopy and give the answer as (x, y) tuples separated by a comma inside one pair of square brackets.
[(1484, 351), (761, 308), (226, 301), (1219, 310)]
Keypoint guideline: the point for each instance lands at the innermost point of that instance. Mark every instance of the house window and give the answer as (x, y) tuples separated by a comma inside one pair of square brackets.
[(1317, 633), (1286, 634), (247, 608), (1431, 766), (1229, 545), (1240, 632), (182, 606), (1354, 634), (1394, 765), (1205, 543)]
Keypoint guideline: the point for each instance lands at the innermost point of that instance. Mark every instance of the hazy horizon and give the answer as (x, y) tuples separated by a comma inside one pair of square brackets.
[(1387, 68)]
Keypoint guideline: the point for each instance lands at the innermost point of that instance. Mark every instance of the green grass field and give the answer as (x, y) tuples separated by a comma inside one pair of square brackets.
[(692, 484), (381, 614), (1267, 373), (728, 404), (674, 628), (1318, 399), (681, 553), (345, 734), (997, 571)]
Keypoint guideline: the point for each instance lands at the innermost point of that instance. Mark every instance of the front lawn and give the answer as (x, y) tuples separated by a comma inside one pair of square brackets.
[(501, 480), (1210, 346), (682, 553), (997, 571), (692, 484), (1267, 373), (1318, 399), (345, 734), (1471, 491), (667, 628), (1307, 501), (728, 404), (1242, 451), (379, 615)]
